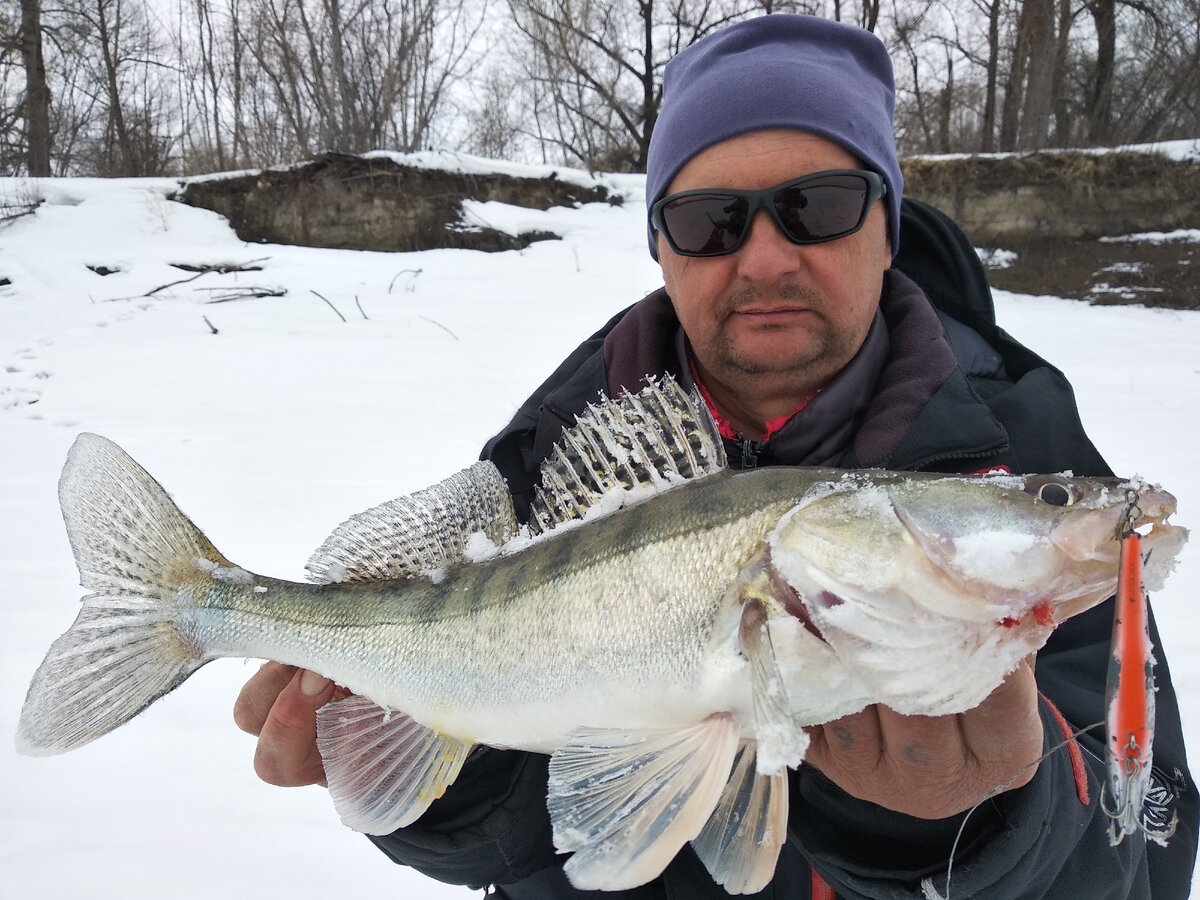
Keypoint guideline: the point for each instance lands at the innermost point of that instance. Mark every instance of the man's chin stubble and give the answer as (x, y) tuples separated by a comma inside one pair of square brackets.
[(735, 362)]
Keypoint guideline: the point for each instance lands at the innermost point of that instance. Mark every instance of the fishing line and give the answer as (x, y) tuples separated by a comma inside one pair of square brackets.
[(927, 887)]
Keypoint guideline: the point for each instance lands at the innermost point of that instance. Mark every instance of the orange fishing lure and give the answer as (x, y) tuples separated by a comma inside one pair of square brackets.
[(1130, 696)]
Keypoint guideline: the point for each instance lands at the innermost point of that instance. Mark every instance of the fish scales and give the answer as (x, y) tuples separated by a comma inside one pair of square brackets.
[(574, 602)]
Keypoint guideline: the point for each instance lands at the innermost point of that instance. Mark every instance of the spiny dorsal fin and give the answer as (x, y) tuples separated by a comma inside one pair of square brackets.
[(649, 441), (423, 532)]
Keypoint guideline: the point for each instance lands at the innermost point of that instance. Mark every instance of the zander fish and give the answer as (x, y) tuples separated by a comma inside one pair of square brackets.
[(664, 628)]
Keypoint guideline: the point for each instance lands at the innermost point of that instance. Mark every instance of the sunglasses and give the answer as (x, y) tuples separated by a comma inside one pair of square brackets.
[(813, 209)]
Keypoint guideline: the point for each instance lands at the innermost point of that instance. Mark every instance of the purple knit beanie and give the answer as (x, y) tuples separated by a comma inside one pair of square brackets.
[(779, 71)]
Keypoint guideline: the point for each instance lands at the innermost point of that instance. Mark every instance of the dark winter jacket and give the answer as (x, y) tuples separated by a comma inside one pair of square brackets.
[(931, 390)]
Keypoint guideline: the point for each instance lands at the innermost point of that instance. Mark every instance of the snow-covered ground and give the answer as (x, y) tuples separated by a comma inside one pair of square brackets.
[(286, 421)]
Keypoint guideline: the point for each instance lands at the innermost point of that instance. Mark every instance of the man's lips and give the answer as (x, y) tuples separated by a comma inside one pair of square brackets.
[(767, 314)]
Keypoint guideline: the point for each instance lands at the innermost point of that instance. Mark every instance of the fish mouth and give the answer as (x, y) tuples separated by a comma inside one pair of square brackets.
[(1097, 536), (1161, 540), (1097, 539)]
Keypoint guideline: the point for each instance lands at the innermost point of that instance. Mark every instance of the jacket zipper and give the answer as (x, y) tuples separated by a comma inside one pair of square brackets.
[(750, 451)]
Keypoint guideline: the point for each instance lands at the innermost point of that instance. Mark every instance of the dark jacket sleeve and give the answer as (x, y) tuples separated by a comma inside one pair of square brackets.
[(490, 827)]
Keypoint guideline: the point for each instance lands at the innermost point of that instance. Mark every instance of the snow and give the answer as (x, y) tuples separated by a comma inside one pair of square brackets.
[(1178, 236), (994, 258), (289, 420), (1185, 150)]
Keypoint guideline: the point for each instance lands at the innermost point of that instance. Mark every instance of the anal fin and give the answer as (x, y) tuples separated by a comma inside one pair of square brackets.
[(625, 802), (740, 842), (383, 769)]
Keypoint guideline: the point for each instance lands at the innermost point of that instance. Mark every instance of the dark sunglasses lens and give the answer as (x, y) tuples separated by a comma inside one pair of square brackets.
[(705, 223), (823, 210)]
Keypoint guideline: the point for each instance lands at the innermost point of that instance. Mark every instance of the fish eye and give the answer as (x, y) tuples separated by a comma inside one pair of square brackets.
[(1056, 494)]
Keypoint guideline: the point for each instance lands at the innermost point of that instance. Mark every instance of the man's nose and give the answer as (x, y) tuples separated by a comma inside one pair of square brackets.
[(767, 253)]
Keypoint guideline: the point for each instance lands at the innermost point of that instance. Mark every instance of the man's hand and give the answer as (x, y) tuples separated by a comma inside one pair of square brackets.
[(935, 767), (279, 705)]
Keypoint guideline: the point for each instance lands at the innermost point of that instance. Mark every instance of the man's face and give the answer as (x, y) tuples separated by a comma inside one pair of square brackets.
[(775, 314)]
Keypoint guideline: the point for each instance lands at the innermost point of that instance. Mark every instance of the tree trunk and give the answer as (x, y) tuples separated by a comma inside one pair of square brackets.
[(1104, 14), (1063, 125), (37, 92), (1038, 17), (946, 107), (987, 141), (116, 112), (649, 97), (1014, 89)]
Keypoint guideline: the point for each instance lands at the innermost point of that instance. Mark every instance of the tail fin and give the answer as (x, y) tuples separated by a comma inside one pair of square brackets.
[(125, 649)]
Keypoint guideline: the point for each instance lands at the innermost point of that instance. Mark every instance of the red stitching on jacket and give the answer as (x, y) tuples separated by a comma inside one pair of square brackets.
[(1077, 767)]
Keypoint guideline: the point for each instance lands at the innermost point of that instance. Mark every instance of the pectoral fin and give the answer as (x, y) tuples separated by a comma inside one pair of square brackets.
[(781, 740), (625, 802), (740, 842), (383, 769)]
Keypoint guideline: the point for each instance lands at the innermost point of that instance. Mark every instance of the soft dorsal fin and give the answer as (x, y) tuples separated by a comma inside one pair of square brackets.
[(648, 441), (425, 531)]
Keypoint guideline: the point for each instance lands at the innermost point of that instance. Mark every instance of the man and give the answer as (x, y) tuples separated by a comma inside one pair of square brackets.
[(774, 194)]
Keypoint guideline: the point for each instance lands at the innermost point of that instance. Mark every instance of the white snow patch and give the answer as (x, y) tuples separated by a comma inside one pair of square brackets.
[(1000, 558), (479, 547), (996, 258), (224, 574), (1181, 151), (1178, 236), (437, 575), (1125, 268)]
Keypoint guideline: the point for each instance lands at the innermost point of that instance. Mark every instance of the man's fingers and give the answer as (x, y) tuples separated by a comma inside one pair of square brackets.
[(258, 696), (853, 742), (287, 744), (935, 766), (1005, 731)]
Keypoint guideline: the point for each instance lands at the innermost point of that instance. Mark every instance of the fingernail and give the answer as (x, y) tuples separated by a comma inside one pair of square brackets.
[(312, 684)]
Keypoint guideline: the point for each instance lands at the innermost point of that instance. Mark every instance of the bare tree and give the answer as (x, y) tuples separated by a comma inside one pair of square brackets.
[(1099, 114), (1156, 91), (864, 14), (123, 85), (594, 69), (577, 81), (353, 76), (212, 56), (37, 90)]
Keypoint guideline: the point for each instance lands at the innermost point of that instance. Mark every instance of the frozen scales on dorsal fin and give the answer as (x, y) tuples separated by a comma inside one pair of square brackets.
[(422, 532), (648, 441)]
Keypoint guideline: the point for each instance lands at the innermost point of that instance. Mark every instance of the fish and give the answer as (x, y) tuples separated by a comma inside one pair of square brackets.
[(664, 627)]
